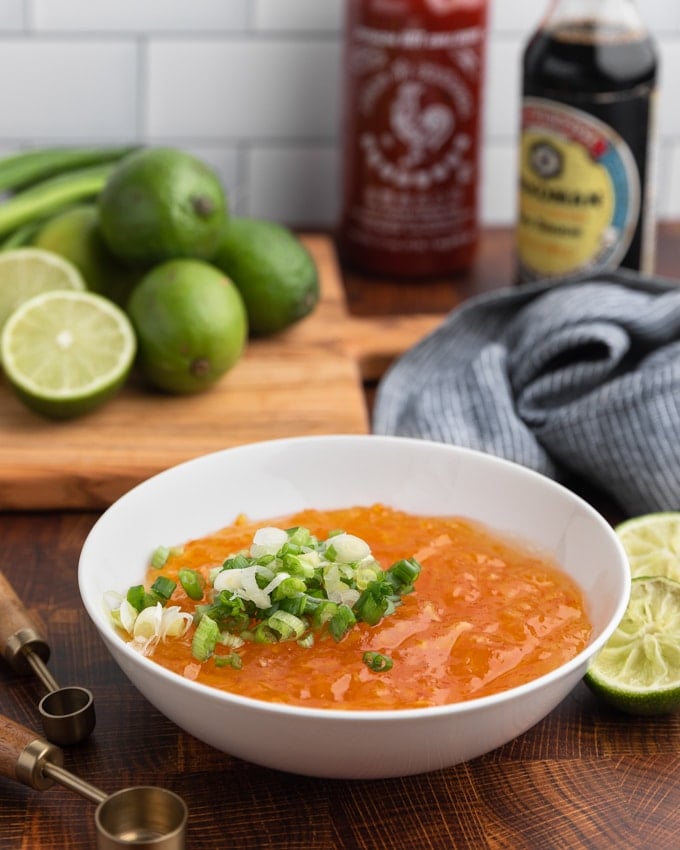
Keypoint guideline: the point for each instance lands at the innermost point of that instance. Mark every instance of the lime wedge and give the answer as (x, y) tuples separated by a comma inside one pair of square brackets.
[(652, 543), (65, 353), (25, 272), (638, 669)]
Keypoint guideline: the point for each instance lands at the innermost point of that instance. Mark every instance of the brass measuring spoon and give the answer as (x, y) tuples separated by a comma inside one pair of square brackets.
[(68, 715), (142, 816)]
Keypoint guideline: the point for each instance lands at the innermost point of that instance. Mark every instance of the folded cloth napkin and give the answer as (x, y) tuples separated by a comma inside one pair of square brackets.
[(575, 379)]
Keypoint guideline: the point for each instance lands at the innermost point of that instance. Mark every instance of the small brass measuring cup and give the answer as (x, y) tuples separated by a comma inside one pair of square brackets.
[(68, 715), (141, 816)]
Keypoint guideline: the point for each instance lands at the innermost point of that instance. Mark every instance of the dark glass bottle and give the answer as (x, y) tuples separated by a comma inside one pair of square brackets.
[(587, 138)]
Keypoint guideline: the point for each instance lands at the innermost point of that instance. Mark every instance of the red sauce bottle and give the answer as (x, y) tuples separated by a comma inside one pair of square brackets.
[(411, 134)]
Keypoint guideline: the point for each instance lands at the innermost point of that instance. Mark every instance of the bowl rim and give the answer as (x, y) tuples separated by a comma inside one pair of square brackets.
[(118, 645)]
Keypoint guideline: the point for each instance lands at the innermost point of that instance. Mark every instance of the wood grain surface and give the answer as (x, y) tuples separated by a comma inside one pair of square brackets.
[(307, 380), (585, 778)]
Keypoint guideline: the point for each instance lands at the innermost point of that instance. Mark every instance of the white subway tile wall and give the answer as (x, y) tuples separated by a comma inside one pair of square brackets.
[(253, 87)]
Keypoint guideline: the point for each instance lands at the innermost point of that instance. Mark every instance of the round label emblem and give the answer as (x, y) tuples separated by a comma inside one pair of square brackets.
[(417, 116)]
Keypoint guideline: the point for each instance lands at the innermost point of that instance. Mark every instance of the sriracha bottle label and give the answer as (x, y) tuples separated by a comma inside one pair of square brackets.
[(412, 127)]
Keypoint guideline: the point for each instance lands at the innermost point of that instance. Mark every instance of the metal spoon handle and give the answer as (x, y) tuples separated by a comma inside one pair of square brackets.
[(74, 783), (19, 632), (40, 669), (26, 758)]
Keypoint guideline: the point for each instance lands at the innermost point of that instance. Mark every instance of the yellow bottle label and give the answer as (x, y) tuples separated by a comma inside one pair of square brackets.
[(579, 194)]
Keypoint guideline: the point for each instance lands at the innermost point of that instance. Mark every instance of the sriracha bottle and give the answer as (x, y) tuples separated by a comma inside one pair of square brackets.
[(411, 133)]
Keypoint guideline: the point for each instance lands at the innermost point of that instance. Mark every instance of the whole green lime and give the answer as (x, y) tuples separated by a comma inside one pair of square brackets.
[(160, 204), (191, 325), (274, 272), (74, 234)]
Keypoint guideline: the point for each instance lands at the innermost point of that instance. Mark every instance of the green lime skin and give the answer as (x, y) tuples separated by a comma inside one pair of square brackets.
[(191, 325), (74, 234), (274, 272), (73, 408), (637, 705), (161, 204)]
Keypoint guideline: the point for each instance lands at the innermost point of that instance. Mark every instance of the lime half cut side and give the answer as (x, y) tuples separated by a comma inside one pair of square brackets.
[(652, 544), (638, 669), (65, 353), (25, 272)]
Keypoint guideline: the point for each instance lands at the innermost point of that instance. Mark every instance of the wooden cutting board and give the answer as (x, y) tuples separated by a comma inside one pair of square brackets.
[(306, 380)]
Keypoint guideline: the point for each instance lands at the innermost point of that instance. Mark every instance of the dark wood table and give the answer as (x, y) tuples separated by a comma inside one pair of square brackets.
[(585, 777)]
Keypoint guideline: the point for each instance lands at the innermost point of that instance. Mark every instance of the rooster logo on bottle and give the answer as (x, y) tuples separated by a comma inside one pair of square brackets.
[(422, 129), (416, 120)]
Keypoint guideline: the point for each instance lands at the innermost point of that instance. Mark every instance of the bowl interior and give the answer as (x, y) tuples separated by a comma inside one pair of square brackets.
[(266, 480)]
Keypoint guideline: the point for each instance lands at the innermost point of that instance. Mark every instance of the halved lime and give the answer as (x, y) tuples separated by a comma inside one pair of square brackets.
[(65, 353), (25, 272), (652, 543), (638, 669)]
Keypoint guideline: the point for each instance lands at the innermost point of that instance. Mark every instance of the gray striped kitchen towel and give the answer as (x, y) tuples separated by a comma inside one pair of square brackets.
[(576, 379)]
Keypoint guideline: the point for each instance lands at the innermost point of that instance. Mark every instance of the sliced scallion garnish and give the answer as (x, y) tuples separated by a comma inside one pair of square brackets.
[(137, 597), (341, 622), (205, 639), (163, 587), (288, 586), (377, 662), (232, 660), (160, 556), (192, 583)]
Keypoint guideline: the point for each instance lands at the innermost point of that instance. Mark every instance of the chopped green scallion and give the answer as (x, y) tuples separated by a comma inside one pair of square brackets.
[(286, 625), (377, 662), (307, 641), (205, 639), (287, 586), (323, 613), (238, 562), (263, 634), (405, 572), (372, 605), (136, 596), (341, 622), (163, 587), (192, 583), (160, 556), (233, 660)]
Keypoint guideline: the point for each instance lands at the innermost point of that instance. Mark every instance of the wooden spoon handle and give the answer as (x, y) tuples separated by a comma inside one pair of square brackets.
[(23, 753), (18, 630)]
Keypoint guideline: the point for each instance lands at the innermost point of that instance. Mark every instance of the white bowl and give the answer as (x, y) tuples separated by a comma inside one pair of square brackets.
[(270, 479)]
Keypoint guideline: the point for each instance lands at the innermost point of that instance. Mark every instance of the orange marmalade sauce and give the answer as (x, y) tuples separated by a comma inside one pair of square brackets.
[(486, 615)]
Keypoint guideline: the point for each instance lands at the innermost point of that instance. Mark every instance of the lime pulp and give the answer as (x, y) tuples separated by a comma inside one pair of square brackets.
[(65, 353)]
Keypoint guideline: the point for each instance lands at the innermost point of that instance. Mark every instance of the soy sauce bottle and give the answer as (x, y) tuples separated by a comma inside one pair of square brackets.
[(412, 120), (586, 143)]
